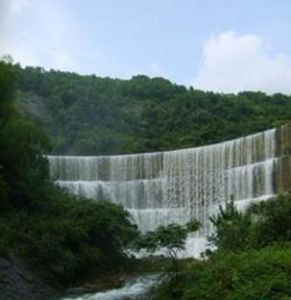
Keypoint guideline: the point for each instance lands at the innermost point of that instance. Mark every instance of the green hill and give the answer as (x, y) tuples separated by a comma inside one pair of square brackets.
[(92, 115)]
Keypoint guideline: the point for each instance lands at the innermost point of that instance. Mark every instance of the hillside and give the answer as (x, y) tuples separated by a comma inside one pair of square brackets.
[(89, 115)]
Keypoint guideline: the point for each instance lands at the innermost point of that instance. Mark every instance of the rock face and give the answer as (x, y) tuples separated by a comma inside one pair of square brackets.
[(17, 282), (282, 172)]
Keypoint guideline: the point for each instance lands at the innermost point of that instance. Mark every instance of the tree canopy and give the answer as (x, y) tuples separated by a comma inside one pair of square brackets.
[(90, 115), (63, 237)]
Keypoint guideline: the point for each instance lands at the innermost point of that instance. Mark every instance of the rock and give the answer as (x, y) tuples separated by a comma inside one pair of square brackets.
[(17, 282)]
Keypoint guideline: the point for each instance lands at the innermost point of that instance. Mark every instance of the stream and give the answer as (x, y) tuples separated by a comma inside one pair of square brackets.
[(133, 290)]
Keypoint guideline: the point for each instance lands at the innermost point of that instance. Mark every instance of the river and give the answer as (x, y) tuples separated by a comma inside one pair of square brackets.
[(133, 290)]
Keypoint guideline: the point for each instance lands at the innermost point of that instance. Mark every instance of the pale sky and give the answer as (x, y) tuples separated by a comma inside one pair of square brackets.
[(219, 45)]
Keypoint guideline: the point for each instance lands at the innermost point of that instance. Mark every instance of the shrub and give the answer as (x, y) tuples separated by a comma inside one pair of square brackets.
[(254, 274), (232, 229)]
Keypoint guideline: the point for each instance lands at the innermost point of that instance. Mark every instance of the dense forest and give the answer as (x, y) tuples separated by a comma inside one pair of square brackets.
[(61, 237), (89, 115)]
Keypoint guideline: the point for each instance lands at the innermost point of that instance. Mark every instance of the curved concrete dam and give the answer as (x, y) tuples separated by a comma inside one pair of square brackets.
[(175, 186)]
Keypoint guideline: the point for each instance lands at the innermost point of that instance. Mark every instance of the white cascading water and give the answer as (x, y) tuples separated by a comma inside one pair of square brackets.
[(175, 186)]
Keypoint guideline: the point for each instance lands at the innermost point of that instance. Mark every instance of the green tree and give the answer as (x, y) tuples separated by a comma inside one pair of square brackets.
[(170, 238), (59, 235), (232, 229), (272, 220), (93, 115)]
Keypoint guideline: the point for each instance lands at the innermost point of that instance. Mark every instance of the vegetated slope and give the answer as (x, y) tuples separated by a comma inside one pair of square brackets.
[(46, 232), (92, 115)]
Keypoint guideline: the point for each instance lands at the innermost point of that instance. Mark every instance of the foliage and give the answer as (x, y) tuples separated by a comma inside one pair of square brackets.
[(232, 229), (252, 275), (252, 258), (170, 238), (272, 220), (89, 115), (61, 236), (262, 224), (7, 90), (80, 238)]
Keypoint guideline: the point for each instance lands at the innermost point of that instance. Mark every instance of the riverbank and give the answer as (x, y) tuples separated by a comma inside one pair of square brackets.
[(137, 278), (19, 282), (123, 276)]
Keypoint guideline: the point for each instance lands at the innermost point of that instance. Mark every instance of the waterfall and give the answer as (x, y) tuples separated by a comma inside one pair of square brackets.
[(175, 186)]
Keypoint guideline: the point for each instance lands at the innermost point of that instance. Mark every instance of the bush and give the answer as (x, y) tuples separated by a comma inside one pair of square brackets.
[(272, 220), (232, 229), (263, 224), (252, 260), (252, 275), (83, 237), (170, 238)]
